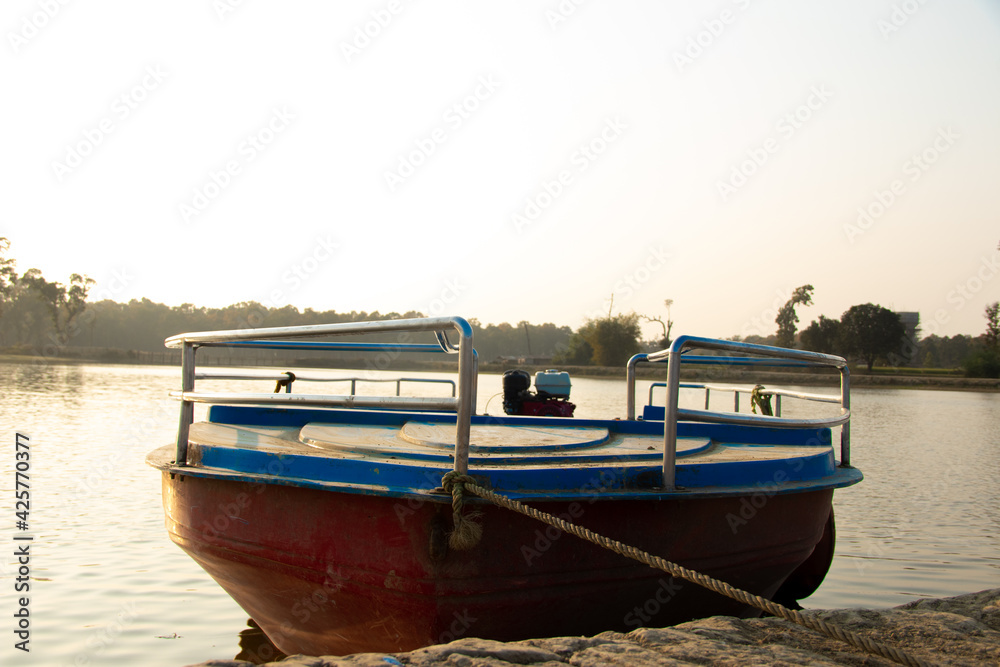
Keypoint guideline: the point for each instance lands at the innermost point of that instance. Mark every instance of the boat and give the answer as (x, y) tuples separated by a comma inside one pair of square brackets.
[(325, 517)]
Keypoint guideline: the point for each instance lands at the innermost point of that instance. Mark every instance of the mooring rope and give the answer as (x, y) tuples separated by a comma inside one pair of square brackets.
[(467, 532), (455, 483)]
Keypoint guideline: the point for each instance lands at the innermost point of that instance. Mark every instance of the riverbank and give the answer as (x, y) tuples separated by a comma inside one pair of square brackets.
[(885, 378), (962, 630), (860, 377)]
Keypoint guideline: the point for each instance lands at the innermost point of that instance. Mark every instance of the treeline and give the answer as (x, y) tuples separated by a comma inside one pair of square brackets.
[(872, 334), (112, 330), (50, 319), (54, 320), (942, 352)]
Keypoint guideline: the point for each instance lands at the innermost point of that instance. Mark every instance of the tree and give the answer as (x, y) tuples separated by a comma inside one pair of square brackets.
[(822, 335), (985, 361), (608, 341), (76, 298), (64, 305), (578, 353), (871, 332), (982, 364), (945, 352), (667, 326), (8, 276), (50, 294), (614, 339), (787, 319), (992, 315)]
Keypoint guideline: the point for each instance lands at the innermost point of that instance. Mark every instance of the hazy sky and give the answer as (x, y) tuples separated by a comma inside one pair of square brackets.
[(510, 160)]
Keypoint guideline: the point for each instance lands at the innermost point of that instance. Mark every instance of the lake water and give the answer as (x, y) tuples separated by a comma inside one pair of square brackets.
[(108, 587)]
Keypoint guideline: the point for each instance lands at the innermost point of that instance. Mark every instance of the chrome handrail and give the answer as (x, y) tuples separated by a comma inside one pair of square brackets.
[(327, 400), (271, 338), (773, 356), (284, 378), (703, 360), (737, 390)]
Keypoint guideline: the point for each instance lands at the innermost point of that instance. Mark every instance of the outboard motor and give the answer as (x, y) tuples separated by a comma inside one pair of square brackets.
[(515, 391), (550, 400)]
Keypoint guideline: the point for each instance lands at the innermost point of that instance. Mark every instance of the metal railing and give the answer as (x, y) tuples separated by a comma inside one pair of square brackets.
[(286, 378), (776, 393), (277, 338), (765, 355), (463, 404)]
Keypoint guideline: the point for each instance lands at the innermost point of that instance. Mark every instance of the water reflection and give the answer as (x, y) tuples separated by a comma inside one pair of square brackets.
[(925, 521), (255, 647), (66, 382)]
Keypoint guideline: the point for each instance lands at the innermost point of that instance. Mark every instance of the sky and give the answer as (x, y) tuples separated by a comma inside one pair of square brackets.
[(510, 161)]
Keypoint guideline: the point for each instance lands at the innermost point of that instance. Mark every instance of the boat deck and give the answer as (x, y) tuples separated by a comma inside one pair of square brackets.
[(408, 454)]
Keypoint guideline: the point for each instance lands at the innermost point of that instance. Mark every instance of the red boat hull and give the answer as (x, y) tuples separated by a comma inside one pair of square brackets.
[(327, 573)]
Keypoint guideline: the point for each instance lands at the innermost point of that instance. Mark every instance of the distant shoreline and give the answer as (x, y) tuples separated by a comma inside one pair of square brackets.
[(859, 377)]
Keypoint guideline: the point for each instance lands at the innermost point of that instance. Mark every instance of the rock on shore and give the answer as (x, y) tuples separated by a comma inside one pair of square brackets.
[(963, 630)]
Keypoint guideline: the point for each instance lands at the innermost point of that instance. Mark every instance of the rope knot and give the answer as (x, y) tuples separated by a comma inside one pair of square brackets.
[(467, 532), (453, 477)]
